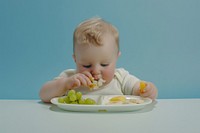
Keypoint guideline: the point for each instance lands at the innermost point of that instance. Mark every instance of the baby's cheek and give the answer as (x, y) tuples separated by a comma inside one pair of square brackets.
[(108, 75)]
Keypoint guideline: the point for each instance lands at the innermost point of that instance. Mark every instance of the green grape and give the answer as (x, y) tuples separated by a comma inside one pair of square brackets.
[(74, 102), (81, 101), (66, 99), (71, 92), (72, 98), (79, 95), (61, 100), (89, 101)]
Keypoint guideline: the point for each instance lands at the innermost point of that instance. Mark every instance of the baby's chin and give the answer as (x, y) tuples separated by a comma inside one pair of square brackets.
[(106, 82)]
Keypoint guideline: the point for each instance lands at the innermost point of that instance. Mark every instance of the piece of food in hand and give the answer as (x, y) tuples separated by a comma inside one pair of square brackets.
[(142, 86), (93, 85), (96, 84)]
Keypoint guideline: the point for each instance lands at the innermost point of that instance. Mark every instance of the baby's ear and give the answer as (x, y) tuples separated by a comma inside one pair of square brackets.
[(74, 57)]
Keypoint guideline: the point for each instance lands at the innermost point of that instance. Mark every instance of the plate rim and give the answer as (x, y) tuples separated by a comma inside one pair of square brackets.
[(149, 101)]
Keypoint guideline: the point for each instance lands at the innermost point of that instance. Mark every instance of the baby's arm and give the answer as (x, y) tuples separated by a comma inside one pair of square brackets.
[(58, 87), (52, 89), (149, 90)]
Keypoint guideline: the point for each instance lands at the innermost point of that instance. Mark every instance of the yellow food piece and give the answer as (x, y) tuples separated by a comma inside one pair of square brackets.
[(92, 79), (142, 87), (96, 83), (118, 99), (92, 86)]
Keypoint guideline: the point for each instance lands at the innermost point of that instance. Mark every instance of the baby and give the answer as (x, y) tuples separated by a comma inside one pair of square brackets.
[(96, 50)]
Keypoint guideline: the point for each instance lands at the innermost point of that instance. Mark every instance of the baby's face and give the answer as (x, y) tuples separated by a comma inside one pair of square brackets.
[(100, 61)]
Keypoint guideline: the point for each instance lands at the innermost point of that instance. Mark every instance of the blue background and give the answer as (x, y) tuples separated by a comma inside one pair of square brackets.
[(159, 40)]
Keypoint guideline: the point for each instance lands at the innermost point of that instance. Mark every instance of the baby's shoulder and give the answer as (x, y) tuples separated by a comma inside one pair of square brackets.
[(69, 71), (121, 71), (66, 73)]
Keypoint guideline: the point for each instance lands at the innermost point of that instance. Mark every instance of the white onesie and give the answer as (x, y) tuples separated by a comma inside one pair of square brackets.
[(122, 83)]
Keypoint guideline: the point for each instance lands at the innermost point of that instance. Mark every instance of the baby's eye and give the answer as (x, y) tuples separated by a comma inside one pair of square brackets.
[(104, 65), (87, 66)]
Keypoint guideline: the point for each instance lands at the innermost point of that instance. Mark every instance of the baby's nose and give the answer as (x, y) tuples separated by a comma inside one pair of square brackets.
[(96, 77), (96, 72)]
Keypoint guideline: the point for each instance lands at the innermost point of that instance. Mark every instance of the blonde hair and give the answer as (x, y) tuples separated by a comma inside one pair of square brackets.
[(92, 30)]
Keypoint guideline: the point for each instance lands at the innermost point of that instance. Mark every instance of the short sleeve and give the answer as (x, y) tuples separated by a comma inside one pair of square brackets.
[(66, 73), (126, 80)]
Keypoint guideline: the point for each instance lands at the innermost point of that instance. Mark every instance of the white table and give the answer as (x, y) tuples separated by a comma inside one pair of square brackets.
[(163, 116)]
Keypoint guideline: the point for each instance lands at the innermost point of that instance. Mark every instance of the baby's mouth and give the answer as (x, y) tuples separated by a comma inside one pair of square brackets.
[(96, 77)]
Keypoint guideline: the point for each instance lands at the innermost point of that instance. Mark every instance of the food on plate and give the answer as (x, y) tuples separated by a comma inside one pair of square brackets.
[(142, 87), (123, 100), (74, 97), (118, 99), (136, 101), (96, 84)]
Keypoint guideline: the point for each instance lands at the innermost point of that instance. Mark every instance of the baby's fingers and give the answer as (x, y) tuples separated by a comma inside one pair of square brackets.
[(153, 94), (147, 92), (74, 82), (150, 91), (88, 74), (143, 87), (83, 79)]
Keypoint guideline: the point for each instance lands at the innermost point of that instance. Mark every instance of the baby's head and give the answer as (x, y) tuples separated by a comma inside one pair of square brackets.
[(96, 48), (92, 32)]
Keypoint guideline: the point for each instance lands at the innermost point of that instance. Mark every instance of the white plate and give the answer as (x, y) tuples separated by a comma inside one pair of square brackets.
[(102, 105)]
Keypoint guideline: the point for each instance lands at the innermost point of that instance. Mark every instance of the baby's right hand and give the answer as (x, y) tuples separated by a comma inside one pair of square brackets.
[(79, 79)]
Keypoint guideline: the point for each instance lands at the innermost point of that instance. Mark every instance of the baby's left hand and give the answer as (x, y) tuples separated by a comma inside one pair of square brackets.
[(145, 89)]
